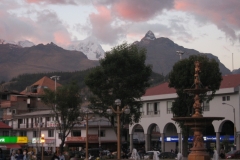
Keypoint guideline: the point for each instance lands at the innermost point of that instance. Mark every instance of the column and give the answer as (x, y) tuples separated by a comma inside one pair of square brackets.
[(147, 142), (131, 142), (218, 142), (163, 143), (179, 142), (238, 140)]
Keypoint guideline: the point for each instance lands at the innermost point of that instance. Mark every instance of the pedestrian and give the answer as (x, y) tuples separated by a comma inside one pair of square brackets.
[(25, 154), (2, 157), (55, 156), (61, 156), (13, 154), (135, 155), (19, 155)]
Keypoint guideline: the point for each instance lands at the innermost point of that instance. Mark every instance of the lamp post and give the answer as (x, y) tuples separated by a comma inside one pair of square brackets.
[(126, 110), (87, 118), (233, 121), (55, 84), (42, 141)]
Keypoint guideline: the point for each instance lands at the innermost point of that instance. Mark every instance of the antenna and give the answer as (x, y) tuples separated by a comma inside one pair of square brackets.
[(180, 53)]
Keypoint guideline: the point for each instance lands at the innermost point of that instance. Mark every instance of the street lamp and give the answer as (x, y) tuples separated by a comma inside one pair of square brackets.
[(86, 118), (55, 80), (233, 121), (126, 110), (42, 141)]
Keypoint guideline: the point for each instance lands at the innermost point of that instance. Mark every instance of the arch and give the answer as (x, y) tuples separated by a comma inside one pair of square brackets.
[(169, 129)]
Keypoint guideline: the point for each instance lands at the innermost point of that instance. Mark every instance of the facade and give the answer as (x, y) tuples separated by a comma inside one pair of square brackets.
[(156, 118), (34, 124)]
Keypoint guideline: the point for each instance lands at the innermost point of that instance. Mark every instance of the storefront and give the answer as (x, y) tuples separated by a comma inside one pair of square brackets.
[(12, 142)]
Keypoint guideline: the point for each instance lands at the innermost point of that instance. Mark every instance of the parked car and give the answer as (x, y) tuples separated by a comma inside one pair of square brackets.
[(167, 155), (235, 154), (149, 154)]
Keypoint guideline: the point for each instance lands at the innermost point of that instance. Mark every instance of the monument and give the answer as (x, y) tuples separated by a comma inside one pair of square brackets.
[(197, 122)]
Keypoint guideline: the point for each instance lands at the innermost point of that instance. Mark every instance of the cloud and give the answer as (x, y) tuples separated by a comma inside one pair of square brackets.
[(72, 2), (224, 14), (102, 27), (140, 10), (46, 28)]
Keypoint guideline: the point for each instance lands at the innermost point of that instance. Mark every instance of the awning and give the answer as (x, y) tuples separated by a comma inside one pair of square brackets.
[(12, 146)]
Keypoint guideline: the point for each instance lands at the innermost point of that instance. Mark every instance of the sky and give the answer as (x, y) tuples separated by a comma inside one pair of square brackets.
[(209, 26)]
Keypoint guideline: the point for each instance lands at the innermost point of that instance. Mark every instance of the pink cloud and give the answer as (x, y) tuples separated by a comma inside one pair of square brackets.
[(62, 38), (224, 14), (140, 10), (52, 1)]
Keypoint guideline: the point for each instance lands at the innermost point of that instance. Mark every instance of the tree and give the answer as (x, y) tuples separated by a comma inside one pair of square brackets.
[(182, 77), (123, 75), (65, 104)]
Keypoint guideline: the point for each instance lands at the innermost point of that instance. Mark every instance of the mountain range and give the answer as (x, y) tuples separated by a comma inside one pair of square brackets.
[(26, 57)]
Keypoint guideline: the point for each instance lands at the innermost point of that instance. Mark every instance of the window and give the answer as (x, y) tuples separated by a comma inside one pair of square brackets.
[(156, 108), (205, 106), (47, 118), (149, 108), (5, 133), (22, 133), (50, 133), (76, 133), (169, 107), (153, 108), (141, 110), (34, 133), (102, 133), (226, 98)]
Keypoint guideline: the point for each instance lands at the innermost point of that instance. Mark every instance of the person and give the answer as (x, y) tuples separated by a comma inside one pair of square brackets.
[(13, 154), (75, 157), (55, 156), (25, 154), (135, 155), (215, 155), (179, 156), (61, 156), (2, 157), (172, 151), (155, 156), (19, 155), (222, 153)]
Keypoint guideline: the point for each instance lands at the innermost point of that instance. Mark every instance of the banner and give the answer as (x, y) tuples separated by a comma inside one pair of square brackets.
[(8, 139)]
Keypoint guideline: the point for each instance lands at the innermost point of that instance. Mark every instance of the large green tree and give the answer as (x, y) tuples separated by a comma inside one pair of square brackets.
[(65, 104), (123, 75), (182, 77)]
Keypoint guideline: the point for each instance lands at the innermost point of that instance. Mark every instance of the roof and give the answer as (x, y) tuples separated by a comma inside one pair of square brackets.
[(4, 126), (229, 81), (44, 82)]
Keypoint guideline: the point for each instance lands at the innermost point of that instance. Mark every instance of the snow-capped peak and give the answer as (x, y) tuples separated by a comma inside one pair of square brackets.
[(25, 43), (90, 47), (149, 36)]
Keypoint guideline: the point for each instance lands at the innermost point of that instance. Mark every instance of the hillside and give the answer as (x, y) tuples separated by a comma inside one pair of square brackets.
[(16, 60), (22, 81)]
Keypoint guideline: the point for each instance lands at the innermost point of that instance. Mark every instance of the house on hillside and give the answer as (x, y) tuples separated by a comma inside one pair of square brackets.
[(29, 100)]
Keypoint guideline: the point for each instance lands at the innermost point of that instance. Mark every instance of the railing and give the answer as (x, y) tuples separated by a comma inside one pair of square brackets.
[(153, 112), (27, 126)]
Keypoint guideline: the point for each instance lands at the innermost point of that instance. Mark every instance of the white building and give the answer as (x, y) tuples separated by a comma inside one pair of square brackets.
[(156, 117), (34, 124)]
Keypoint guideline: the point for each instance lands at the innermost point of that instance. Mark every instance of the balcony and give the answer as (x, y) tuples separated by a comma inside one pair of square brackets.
[(27, 126)]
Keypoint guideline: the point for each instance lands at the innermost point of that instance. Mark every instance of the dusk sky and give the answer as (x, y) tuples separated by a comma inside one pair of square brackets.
[(209, 26)]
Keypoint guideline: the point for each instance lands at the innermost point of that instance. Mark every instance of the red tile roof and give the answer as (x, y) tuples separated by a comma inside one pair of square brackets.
[(228, 81), (43, 82), (4, 126)]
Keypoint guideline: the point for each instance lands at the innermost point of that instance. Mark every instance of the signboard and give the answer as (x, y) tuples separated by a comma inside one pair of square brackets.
[(8, 139), (90, 138), (190, 139), (51, 124)]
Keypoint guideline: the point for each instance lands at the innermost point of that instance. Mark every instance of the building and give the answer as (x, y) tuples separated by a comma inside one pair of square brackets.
[(156, 117), (28, 116)]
